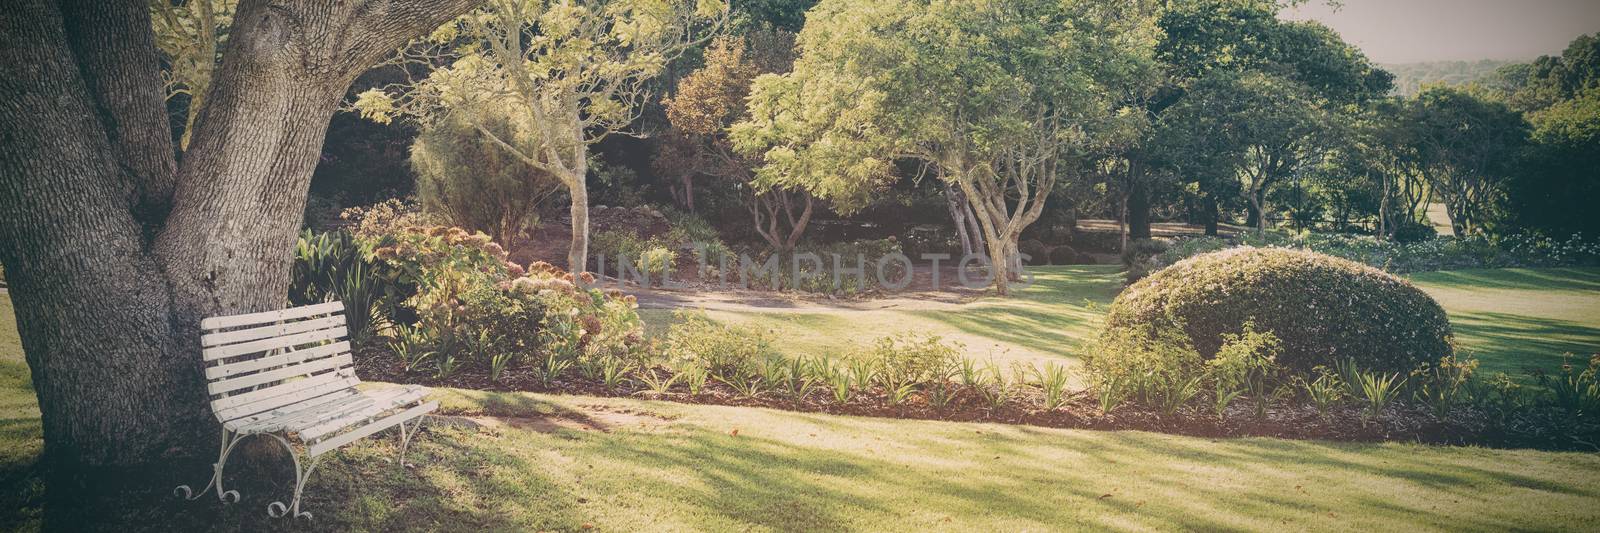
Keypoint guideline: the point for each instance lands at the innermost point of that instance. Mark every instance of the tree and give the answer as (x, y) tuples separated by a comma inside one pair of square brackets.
[(114, 250), (706, 103), (995, 96), (1553, 190), (1207, 39), (475, 183), (576, 71), (1467, 147), (1249, 127)]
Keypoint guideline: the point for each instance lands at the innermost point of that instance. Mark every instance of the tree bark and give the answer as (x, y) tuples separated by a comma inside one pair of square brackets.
[(1139, 209), (108, 282), (1211, 215)]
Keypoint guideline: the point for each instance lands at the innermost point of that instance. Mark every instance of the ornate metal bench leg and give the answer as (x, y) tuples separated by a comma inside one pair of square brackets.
[(406, 436), (278, 509), (229, 440)]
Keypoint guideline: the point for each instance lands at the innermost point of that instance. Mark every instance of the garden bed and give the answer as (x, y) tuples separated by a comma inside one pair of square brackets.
[(1535, 429)]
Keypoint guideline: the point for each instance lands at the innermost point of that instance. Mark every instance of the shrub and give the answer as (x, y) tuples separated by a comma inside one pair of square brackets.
[(722, 350), (1409, 232), (1038, 253), (908, 361), (1065, 255), (657, 261), (1158, 365), (1321, 308)]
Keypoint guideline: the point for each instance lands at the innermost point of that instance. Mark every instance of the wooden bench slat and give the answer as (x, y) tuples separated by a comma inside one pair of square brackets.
[(250, 423), (253, 402), (250, 319), (264, 345), (290, 358), (272, 330), (326, 421), (335, 442), (268, 376)]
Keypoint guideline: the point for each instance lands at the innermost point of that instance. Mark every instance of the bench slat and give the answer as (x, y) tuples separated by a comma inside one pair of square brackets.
[(325, 421), (254, 423), (294, 357), (258, 401), (291, 371), (378, 425), (273, 330), (263, 345), (250, 319)]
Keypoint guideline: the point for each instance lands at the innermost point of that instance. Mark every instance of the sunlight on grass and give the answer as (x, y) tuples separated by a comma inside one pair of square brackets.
[(1517, 319)]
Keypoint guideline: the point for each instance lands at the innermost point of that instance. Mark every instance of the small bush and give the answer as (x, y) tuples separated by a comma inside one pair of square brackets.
[(1065, 255), (657, 261), (1322, 308), (909, 361), (722, 350), (1409, 232), (1038, 253)]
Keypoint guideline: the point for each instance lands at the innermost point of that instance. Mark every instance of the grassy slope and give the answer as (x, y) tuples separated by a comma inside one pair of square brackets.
[(1511, 319), (796, 471)]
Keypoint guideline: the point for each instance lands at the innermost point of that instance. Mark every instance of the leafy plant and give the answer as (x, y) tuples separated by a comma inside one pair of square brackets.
[(658, 383), (1244, 364), (1053, 383), (694, 378), (554, 366), (498, 363), (1441, 385), (1325, 391), (1575, 390), (1379, 390)]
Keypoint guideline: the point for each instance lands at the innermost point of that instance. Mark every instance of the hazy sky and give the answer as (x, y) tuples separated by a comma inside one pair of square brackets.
[(1405, 31)]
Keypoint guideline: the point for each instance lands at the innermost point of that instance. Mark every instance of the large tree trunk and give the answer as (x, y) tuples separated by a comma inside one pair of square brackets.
[(1139, 210), (578, 251), (1210, 214), (108, 282)]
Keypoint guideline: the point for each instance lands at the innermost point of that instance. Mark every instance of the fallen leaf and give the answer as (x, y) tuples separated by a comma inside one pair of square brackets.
[(1104, 496), (735, 432)]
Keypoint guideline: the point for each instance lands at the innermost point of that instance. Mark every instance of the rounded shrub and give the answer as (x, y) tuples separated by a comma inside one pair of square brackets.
[(1065, 255), (1037, 251), (1323, 309)]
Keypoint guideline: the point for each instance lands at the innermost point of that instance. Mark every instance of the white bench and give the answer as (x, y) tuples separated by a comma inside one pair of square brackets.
[(288, 375)]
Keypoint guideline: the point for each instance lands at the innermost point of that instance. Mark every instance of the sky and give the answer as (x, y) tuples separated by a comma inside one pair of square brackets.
[(1408, 31)]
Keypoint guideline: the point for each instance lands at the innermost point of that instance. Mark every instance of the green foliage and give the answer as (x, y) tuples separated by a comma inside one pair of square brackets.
[(908, 361), (475, 184), (1157, 365), (1378, 390), (1320, 308), (1441, 385), (726, 351), (1325, 391), (1245, 364), (337, 266), (1575, 390), (1449, 253)]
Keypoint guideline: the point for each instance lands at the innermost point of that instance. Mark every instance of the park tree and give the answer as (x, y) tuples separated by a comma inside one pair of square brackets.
[(1553, 190), (706, 103), (576, 72), (1203, 41), (1467, 146), (114, 249), (476, 184), (998, 98), (1256, 129)]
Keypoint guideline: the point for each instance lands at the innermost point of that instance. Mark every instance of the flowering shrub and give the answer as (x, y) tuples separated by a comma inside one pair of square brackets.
[(1322, 308)]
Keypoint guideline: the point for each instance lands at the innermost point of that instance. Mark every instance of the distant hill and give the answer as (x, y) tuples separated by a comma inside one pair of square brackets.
[(1409, 77)]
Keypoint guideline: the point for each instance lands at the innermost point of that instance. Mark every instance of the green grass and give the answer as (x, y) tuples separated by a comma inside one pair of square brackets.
[(622, 464), (1517, 319)]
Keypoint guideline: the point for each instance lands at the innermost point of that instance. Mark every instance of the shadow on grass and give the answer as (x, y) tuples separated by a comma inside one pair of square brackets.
[(1515, 344), (1544, 279)]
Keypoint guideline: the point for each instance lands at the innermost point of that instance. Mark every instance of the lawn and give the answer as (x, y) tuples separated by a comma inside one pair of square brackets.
[(1511, 319), (566, 462)]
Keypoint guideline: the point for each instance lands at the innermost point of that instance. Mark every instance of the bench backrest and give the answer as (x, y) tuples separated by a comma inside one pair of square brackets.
[(258, 362)]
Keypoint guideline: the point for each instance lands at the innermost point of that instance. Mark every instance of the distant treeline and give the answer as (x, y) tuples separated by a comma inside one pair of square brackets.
[(1410, 77)]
